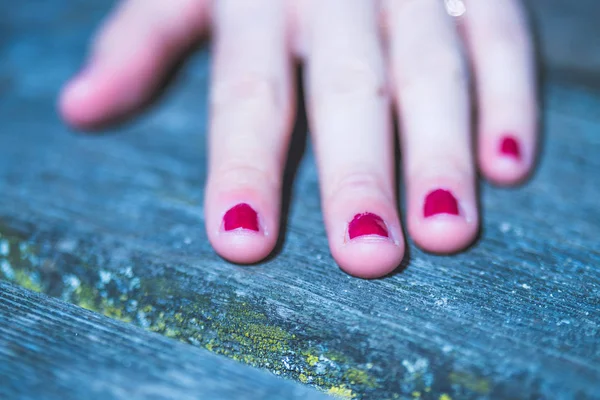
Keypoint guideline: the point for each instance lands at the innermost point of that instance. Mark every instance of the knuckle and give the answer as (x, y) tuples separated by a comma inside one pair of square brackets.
[(450, 167), (243, 175), (250, 91), (435, 66), (353, 77), (503, 39), (395, 6), (356, 182)]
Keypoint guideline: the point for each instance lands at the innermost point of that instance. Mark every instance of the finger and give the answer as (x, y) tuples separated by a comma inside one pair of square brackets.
[(133, 51), (250, 127), (349, 113), (431, 86), (502, 55)]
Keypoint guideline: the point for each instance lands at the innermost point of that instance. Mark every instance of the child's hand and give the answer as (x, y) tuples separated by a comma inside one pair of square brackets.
[(360, 56)]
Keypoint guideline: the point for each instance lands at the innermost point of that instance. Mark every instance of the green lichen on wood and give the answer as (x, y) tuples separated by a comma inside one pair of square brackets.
[(239, 327), (360, 377), (14, 253), (473, 383), (28, 281), (311, 359), (341, 392)]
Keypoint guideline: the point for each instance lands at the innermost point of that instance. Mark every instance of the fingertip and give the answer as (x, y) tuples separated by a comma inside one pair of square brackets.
[(444, 234), (369, 257), (73, 101), (506, 160), (504, 172), (242, 247), (242, 225), (442, 214), (94, 99), (365, 236)]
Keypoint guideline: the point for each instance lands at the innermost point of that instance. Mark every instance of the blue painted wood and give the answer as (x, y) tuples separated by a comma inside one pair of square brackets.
[(114, 223), (54, 350)]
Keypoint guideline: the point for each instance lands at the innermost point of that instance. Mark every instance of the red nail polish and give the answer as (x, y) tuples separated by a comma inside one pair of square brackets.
[(440, 202), (510, 147), (367, 224), (241, 216)]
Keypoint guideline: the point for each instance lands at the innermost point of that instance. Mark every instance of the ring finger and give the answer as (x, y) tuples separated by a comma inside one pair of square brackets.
[(430, 82)]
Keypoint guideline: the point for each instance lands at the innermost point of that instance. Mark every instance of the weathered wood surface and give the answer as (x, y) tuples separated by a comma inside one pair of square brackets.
[(114, 223), (52, 350)]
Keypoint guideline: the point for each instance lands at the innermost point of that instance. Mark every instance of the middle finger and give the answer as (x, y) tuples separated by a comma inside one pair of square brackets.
[(349, 113)]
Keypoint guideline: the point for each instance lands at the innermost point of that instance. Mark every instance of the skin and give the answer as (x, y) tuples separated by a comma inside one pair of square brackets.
[(364, 61)]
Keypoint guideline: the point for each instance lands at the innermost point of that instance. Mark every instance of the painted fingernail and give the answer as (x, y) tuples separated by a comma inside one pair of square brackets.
[(510, 147), (241, 216), (367, 224), (440, 201)]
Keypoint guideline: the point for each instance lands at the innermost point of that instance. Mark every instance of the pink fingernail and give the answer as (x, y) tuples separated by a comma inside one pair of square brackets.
[(367, 224), (241, 216), (440, 201), (510, 147)]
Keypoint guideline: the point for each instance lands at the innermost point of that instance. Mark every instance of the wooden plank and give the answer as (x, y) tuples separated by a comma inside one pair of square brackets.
[(53, 350), (115, 224)]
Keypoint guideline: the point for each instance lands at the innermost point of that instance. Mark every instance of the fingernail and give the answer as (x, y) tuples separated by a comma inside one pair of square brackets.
[(367, 224), (440, 201), (241, 216), (510, 147)]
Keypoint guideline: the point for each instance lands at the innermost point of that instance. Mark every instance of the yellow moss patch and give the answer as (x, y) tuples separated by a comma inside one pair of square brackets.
[(147, 309), (179, 318), (209, 346), (341, 392), (86, 297), (359, 377), (337, 357), (22, 279), (473, 383), (312, 360), (115, 313)]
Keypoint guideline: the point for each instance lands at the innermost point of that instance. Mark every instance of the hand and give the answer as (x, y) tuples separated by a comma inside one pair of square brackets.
[(364, 59)]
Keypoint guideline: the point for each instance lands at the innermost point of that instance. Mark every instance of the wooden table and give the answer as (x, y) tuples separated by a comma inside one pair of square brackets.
[(114, 224)]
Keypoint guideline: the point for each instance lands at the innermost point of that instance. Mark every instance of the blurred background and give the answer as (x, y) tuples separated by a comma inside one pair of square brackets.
[(568, 36)]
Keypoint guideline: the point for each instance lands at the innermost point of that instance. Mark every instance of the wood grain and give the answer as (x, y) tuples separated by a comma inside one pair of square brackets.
[(53, 350)]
